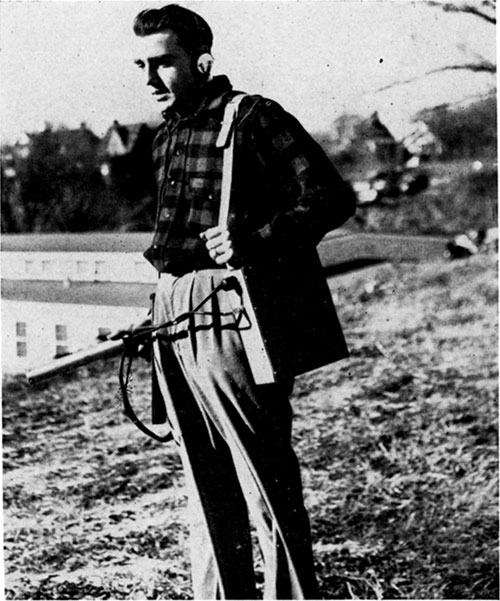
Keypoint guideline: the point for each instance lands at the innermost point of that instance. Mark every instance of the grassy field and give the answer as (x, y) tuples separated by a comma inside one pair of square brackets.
[(398, 446)]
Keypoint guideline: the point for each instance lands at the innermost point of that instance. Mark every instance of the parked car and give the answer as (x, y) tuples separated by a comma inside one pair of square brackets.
[(388, 186)]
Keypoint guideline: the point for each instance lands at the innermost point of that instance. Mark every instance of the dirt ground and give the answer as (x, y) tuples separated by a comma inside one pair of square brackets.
[(398, 445)]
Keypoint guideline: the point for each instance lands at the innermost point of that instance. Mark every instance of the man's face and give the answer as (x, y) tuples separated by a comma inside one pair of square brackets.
[(168, 69)]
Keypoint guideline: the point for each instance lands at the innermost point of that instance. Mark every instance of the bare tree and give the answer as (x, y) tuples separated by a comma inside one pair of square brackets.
[(485, 10)]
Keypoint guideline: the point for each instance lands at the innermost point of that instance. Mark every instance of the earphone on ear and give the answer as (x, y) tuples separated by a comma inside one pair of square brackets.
[(205, 60), (204, 63)]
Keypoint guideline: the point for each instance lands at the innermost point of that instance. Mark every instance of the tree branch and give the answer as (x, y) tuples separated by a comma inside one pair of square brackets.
[(467, 8), (484, 67)]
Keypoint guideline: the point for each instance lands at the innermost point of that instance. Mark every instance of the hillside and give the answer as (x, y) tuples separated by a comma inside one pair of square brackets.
[(461, 195), (398, 446)]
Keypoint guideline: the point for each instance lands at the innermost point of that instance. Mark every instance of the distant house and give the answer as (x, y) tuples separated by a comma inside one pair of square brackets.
[(71, 180), (61, 291), (11, 155), (125, 150), (397, 139), (384, 141), (121, 140), (51, 180), (79, 143), (127, 167), (80, 146), (381, 143)]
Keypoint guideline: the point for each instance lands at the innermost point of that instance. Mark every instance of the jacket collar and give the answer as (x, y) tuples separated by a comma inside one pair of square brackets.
[(210, 97)]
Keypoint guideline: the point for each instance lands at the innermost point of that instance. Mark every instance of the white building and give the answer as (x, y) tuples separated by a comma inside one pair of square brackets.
[(61, 291)]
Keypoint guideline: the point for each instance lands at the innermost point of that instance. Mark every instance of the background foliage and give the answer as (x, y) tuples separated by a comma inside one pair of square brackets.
[(60, 186)]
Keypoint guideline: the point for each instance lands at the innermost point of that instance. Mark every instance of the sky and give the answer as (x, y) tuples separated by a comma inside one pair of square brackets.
[(68, 62)]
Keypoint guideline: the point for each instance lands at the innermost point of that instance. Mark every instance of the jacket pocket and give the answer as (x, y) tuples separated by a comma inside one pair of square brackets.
[(203, 199)]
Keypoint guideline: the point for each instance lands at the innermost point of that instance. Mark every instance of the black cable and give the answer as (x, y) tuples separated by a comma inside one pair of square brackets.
[(131, 343)]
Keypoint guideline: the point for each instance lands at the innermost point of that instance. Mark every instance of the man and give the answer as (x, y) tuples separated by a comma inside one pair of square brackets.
[(234, 435)]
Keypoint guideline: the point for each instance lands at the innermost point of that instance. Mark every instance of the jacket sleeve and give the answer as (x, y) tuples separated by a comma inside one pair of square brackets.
[(311, 196)]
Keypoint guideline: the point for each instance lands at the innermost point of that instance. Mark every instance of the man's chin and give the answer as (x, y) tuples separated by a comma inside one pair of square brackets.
[(166, 101)]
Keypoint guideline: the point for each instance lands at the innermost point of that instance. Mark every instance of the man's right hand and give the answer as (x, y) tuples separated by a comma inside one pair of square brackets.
[(219, 245)]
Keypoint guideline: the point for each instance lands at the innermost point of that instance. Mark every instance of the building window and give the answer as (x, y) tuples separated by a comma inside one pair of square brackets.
[(46, 266), (99, 267), (61, 350), (61, 332), (81, 266), (20, 329), (21, 345), (21, 349)]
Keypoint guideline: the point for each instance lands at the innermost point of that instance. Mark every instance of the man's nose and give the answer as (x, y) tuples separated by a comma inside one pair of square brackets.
[(152, 76)]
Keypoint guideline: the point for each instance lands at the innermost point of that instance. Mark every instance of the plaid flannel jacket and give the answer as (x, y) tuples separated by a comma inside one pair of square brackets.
[(285, 190)]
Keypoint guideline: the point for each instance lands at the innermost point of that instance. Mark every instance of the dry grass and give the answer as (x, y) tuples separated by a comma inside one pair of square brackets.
[(398, 446)]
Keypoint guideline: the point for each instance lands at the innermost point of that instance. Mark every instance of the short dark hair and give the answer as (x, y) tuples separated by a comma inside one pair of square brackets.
[(193, 32)]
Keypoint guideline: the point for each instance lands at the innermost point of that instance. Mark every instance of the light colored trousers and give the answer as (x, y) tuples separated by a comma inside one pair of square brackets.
[(235, 445)]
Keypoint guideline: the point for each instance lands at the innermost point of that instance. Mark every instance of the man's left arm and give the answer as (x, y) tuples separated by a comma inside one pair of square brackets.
[(312, 197)]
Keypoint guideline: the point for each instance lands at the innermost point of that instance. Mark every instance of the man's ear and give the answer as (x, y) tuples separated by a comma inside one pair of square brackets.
[(204, 64)]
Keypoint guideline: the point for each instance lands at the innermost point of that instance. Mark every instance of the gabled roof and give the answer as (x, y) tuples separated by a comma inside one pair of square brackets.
[(121, 139), (80, 138)]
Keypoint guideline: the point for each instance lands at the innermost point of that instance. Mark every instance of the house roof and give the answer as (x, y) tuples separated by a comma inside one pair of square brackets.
[(127, 135), (73, 140), (82, 242), (78, 293)]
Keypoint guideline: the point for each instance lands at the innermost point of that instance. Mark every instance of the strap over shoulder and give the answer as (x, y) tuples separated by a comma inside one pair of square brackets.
[(230, 112), (226, 140)]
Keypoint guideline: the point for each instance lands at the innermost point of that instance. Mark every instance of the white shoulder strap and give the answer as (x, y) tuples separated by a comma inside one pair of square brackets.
[(253, 341), (226, 140)]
